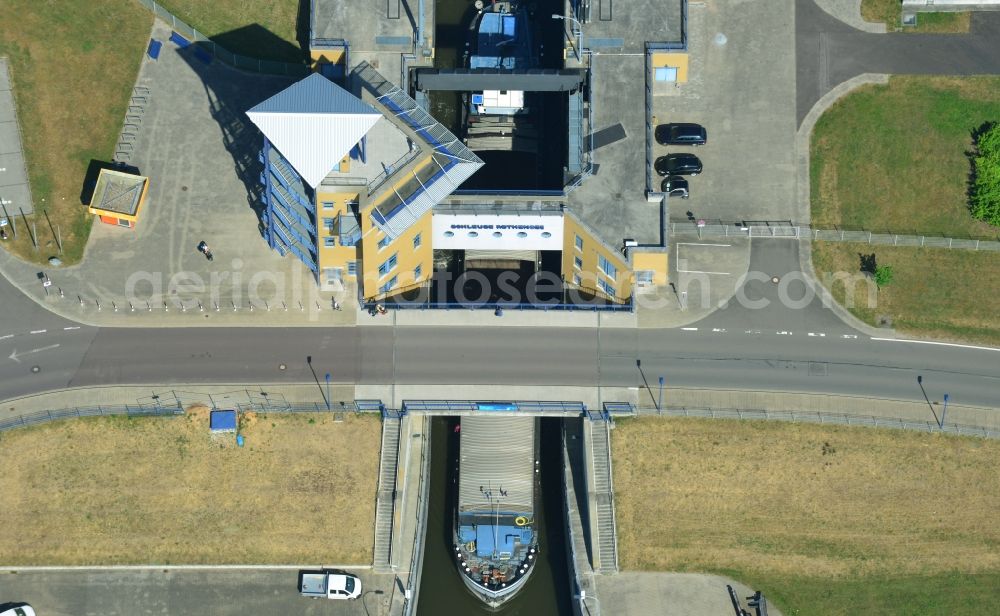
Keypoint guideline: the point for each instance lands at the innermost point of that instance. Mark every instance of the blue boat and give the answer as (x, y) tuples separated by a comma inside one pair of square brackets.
[(495, 533), (501, 37)]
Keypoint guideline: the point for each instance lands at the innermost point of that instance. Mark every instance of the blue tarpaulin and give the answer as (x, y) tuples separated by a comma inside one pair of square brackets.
[(505, 536), (223, 421)]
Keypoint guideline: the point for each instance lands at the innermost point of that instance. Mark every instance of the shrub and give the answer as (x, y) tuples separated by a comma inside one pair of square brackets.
[(883, 275), (984, 202)]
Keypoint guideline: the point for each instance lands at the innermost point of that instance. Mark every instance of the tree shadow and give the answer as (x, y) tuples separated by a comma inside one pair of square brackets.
[(867, 263)]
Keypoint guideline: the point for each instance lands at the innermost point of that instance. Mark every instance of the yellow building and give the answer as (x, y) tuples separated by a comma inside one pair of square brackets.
[(118, 197), (357, 183)]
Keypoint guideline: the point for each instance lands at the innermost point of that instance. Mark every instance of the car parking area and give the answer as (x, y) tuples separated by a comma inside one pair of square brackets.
[(741, 88)]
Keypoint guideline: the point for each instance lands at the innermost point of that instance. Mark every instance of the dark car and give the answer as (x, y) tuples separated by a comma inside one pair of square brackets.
[(677, 164), (681, 134), (675, 186)]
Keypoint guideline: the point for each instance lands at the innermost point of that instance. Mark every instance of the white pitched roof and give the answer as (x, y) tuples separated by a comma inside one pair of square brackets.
[(314, 123)]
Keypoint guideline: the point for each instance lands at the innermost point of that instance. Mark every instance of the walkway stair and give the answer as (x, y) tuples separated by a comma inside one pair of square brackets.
[(386, 505), (603, 499)]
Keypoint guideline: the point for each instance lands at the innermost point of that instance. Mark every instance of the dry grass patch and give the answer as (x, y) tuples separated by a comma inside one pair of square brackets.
[(162, 490), (778, 500), (935, 292), (73, 65)]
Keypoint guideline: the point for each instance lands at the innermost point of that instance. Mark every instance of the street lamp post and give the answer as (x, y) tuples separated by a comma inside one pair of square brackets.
[(944, 410), (659, 401), (578, 48), (328, 391)]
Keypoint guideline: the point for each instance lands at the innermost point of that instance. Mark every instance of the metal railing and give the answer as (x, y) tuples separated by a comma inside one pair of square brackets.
[(800, 232), (271, 67), (419, 536), (822, 417), (38, 417), (569, 493)]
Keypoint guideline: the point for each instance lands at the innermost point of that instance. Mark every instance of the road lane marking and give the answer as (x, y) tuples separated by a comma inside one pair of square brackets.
[(690, 329), (783, 333), (716, 329), (69, 328), (15, 354), (851, 336), (950, 344), (821, 335), (39, 331), (7, 336)]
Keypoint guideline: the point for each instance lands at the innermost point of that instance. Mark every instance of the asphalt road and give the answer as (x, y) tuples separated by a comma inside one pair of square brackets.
[(777, 347), (178, 592), (829, 52)]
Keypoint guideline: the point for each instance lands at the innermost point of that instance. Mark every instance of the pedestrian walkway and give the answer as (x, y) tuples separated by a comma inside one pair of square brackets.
[(15, 193)]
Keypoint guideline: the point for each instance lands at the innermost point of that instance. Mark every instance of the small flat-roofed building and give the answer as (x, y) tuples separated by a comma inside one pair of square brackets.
[(118, 197)]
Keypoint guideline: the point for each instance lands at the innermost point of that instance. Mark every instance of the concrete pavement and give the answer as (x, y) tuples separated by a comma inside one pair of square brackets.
[(180, 591), (670, 594)]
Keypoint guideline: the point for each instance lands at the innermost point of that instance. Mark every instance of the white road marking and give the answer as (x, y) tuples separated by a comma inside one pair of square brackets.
[(849, 336), (683, 271), (716, 329), (39, 331), (7, 336), (697, 244), (69, 328), (690, 329), (950, 344), (752, 331), (15, 354), (821, 335), (783, 333)]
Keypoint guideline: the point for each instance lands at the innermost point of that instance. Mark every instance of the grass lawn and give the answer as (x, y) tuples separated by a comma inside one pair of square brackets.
[(938, 293), (72, 75), (824, 519), (890, 13), (893, 158), (269, 30), (160, 490)]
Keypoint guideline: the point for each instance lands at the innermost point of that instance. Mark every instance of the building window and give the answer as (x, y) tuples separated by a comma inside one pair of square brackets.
[(385, 241), (329, 223), (418, 272), (577, 262), (329, 241), (416, 240), (388, 266), (606, 267), (577, 280), (328, 205), (389, 285), (579, 243), (607, 288), (644, 278), (352, 268)]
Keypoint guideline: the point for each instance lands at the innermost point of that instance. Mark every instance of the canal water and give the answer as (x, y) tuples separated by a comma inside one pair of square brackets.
[(442, 593), (507, 170)]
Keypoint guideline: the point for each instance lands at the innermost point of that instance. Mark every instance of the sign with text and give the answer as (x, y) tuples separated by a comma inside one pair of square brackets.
[(497, 232)]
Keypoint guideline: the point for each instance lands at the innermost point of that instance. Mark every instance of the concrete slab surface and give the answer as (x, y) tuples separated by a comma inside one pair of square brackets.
[(669, 594), (15, 192)]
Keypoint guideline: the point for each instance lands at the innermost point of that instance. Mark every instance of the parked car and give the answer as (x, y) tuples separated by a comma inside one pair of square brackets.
[(677, 164), (681, 134), (21, 610), (329, 584), (675, 186)]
